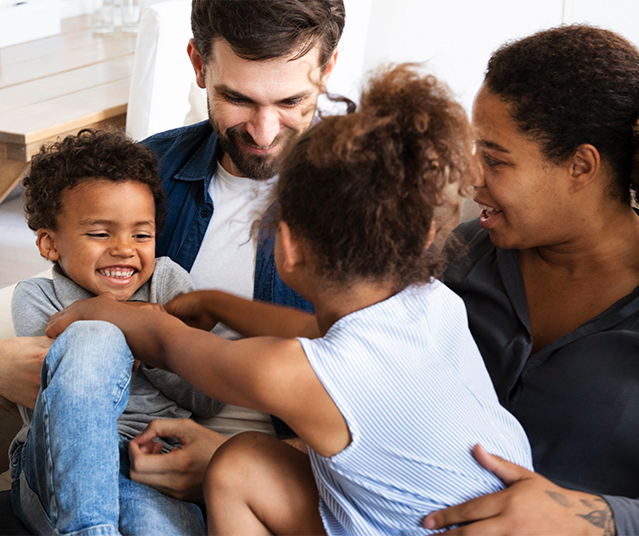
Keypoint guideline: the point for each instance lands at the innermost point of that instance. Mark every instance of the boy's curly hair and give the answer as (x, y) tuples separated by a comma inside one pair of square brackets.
[(90, 155), (362, 189)]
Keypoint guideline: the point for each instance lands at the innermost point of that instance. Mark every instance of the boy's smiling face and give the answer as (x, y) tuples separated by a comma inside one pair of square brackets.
[(104, 238)]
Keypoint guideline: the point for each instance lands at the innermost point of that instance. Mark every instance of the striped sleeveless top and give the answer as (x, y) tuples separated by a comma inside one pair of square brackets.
[(407, 377)]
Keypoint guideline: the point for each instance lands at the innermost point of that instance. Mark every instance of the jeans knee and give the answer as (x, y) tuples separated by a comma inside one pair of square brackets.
[(90, 349)]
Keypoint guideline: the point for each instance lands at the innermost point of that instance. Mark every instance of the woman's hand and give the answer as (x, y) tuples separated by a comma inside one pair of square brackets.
[(79, 310), (530, 504), (20, 365), (191, 309), (179, 473)]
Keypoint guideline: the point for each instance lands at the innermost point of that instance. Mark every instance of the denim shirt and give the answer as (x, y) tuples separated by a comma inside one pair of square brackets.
[(188, 161)]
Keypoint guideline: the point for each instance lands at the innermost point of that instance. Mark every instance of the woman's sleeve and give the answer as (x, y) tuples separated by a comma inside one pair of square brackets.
[(626, 514)]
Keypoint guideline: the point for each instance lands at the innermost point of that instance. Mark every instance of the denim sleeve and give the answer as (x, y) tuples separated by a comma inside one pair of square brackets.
[(626, 514)]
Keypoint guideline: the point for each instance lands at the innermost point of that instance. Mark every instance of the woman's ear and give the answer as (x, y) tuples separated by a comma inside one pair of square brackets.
[(47, 245), (292, 251), (585, 166)]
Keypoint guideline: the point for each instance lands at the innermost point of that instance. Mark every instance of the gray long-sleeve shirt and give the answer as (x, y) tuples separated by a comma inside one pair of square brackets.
[(577, 398), (153, 393)]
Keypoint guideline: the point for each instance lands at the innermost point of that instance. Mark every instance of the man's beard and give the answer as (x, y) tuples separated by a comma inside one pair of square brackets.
[(253, 166)]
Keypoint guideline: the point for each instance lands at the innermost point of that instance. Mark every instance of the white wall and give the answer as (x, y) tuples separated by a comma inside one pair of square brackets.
[(621, 16), (456, 37)]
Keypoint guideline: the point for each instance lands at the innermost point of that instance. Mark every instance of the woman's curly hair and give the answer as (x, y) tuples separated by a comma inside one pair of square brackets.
[(570, 86), (90, 155), (362, 188)]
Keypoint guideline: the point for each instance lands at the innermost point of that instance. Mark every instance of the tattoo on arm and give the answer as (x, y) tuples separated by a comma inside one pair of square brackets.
[(560, 499), (600, 514)]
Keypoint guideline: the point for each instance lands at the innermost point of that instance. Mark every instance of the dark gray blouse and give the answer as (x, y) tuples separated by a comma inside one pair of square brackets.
[(577, 398)]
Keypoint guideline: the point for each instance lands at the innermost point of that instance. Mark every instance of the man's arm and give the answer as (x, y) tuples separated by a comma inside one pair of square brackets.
[(205, 308), (20, 364), (21, 358)]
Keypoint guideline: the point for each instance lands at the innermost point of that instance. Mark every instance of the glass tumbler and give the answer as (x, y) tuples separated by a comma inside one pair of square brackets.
[(102, 20), (130, 15)]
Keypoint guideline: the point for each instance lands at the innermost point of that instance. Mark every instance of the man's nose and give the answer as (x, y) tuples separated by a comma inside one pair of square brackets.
[(264, 127)]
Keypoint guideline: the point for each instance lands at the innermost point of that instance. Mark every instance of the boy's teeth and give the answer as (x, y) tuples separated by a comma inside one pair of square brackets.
[(122, 273)]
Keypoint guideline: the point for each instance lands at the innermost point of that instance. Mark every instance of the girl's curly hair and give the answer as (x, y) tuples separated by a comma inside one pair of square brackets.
[(362, 188)]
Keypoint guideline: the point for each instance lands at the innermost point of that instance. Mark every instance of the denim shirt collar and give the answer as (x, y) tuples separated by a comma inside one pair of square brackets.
[(201, 166)]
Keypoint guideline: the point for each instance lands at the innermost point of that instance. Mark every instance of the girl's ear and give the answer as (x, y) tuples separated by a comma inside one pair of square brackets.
[(292, 250), (47, 245), (431, 234)]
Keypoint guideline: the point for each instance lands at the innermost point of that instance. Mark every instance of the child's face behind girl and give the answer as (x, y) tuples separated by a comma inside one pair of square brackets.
[(104, 238)]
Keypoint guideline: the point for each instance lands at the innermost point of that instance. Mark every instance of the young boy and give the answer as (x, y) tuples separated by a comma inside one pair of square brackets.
[(95, 201)]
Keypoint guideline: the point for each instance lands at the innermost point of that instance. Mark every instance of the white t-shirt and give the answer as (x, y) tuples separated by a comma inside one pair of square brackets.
[(226, 261)]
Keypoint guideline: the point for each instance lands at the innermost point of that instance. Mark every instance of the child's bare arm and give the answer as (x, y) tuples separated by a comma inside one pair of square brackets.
[(205, 308), (265, 373)]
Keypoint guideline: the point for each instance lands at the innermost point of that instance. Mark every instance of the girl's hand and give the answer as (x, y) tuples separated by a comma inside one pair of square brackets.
[(148, 306), (80, 310), (191, 309), (530, 504)]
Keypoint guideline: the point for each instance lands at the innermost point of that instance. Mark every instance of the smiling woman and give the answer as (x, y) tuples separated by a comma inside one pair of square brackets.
[(550, 275)]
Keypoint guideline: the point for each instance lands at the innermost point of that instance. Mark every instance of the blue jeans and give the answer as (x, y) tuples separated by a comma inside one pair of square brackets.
[(72, 474)]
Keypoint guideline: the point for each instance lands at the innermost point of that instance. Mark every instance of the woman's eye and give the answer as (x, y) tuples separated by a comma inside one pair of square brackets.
[(490, 161)]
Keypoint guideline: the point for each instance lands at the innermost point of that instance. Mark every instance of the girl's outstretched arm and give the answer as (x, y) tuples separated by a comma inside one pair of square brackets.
[(264, 373), (205, 308)]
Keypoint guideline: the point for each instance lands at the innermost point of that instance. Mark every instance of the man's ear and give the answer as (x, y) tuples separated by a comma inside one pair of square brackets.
[(46, 244), (328, 70), (197, 62), (584, 167), (292, 250)]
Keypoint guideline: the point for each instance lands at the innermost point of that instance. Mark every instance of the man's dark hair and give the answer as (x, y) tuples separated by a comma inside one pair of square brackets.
[(266, 29), (88, 156), (570, 86)]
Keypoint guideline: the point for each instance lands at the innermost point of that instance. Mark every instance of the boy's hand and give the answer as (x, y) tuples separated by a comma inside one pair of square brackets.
[(191, 309), (179, 473)]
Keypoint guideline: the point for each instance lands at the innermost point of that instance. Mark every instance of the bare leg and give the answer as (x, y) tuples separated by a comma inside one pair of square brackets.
[(256, 484)]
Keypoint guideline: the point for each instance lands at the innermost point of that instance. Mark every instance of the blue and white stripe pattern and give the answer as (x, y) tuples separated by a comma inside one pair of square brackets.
[(408, 379)]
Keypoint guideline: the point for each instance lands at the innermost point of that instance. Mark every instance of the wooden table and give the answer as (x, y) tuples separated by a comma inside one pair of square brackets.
[(57, 86)]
